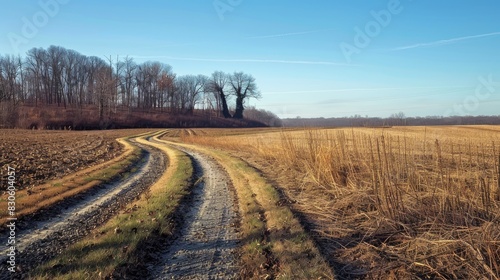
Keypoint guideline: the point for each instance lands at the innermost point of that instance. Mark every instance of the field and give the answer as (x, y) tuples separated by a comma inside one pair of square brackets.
[(351, 203), (41, 155), (400, 203)]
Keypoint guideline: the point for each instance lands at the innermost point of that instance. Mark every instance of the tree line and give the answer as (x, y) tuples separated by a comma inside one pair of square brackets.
[(398, 119), (65, 78)]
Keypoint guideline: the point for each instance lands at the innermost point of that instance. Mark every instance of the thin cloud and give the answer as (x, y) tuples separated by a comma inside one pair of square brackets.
[(364, 89), (444, 42), (310, 62), (287, 34)]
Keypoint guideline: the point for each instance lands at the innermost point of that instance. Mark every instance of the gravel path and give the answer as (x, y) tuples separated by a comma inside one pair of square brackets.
[(206, 248), (47, 234)]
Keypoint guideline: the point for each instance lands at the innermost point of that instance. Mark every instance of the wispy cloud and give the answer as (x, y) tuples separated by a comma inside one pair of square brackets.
[(287, 34), (367, 89), (444, 42), (310, 62)]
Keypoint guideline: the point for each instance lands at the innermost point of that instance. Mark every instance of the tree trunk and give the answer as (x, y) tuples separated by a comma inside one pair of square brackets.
[(225, 110), (238, 114)]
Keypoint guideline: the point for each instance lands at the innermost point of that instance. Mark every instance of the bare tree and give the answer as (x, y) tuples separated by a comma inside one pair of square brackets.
[(81, 77), (95, 66), (115, 90), (243, 86), (56, 64), (217, 85), (37, 70), (10, 90), (397, 119), (104, 87), (152, 79), (70, 76), (67, 78), (127, 81), (166, 85), (190, 88)]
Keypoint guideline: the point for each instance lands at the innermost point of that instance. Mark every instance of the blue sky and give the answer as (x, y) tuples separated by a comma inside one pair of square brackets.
[(309, 58)]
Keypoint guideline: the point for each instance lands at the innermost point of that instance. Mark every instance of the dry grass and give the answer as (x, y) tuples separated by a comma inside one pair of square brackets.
[(398, 203), (274, 245)]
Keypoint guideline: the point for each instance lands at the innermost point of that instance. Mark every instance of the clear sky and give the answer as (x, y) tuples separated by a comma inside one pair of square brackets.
[(310, 58)]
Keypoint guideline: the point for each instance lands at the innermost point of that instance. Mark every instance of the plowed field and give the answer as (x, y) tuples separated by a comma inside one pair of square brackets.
[(39, 156)]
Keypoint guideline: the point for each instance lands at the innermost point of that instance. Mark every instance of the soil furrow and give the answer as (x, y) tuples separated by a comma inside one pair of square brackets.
[(206, 247), (42, 238)]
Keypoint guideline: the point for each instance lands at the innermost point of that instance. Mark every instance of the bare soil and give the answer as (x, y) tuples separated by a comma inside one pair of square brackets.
[(42, 155)]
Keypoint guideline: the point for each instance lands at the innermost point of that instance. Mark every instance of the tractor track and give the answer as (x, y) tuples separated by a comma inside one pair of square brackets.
[(208, 240), (49, 232)]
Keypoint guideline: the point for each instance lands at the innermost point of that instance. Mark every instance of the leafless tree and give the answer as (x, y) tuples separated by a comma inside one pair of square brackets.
[(127, 81), (104, 87), (10, 90), (64, 77), (190, 90), (94, 89), (218, 85), (397, 119), (36, 68), (166, 85), (152, 79), (55, 57), (243, 86), (10, 71)]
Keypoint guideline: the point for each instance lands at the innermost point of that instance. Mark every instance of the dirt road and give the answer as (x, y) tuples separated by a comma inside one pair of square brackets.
[(207, 239), (206, 247), (42, 238)]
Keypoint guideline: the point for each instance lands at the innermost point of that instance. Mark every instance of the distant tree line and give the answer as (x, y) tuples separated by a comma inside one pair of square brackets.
[(65, 78), (398, 119), (266, 117)]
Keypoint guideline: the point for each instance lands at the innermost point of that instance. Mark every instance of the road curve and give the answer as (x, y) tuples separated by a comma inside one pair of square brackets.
[(208, 241), (40, 240)]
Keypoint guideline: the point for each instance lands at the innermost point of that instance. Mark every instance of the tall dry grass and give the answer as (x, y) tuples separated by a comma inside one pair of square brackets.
[(394, 203)]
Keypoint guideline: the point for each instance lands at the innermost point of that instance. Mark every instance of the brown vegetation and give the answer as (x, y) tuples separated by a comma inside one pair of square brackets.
[(273, 244), (388, 203), (87, 118)]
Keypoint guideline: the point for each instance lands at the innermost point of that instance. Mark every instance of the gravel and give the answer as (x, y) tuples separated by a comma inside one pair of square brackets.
[(208, 241), (46, 234)]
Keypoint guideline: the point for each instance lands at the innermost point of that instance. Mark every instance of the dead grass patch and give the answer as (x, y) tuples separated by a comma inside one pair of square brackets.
[(274, 244), (390, 203)]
